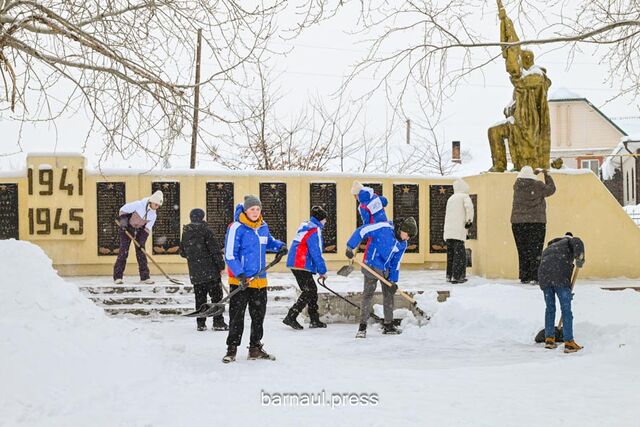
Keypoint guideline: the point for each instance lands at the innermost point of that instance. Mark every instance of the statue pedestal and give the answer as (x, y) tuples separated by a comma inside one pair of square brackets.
[(581, 205)]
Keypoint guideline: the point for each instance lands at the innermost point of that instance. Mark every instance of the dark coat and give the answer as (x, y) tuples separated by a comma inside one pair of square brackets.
[(556, 265), (202, 251), (529, 205)]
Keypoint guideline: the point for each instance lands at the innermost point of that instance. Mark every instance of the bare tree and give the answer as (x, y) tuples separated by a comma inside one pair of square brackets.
[(436, 44), (123, 62), (267, 138)]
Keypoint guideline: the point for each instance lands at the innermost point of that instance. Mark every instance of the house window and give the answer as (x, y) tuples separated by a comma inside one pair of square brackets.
[(592, 164)]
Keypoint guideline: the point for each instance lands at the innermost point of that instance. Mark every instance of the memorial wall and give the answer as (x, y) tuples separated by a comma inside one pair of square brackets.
[(70, 213)]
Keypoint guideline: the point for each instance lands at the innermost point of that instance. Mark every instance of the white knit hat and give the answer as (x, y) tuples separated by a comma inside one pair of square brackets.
[(527, 173), (157, 198), (356, 187)]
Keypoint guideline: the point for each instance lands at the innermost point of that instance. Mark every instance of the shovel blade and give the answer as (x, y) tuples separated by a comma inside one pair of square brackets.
[(207, 310), (345, 270)]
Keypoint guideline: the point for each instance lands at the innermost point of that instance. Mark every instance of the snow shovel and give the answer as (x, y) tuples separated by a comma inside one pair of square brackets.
[(417, 311), (213, 309), (346, 270), (375, 317), (558, 329), (174, 281)]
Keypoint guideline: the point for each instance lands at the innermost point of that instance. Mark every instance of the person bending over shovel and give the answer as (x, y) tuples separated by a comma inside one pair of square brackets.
[(136, 218), (204, 259), (246, 244), (383, 255), (554, 275), (305, 260)]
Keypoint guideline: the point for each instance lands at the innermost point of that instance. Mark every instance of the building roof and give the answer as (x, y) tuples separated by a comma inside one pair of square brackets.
[(566, 95)]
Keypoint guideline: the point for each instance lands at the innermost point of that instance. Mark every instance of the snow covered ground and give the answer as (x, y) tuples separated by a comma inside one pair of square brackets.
[(64, 363)]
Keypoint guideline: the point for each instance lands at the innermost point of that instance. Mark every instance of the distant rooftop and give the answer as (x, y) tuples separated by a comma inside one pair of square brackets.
[(563, 93)]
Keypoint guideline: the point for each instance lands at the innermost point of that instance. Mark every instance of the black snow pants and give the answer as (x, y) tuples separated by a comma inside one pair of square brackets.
[(256, 299), (201, 290), (456, 259), (309, 295), (529, 239)]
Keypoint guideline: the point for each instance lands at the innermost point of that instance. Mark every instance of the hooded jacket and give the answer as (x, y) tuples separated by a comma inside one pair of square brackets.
[(371, 206), (246, 247), (529, 193), (202, 251), (459, 212), (556, 265), (384, 251), (305, 252), (139, 214)]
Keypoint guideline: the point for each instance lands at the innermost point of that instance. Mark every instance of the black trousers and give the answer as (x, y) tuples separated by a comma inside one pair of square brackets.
[(529, 239), (456, 259), (201, 290), (309, 295), (256, 299)]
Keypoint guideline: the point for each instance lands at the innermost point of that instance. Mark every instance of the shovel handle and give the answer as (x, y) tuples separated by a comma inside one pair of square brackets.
[(385, 281), (574, 277)]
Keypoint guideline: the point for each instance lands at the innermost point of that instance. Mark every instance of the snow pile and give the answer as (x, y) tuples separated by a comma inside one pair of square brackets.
[(56, 346)]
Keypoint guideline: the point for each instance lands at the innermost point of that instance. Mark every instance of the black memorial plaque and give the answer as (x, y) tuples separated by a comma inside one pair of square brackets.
[(438, 196), (406, 203), (110, 198), (166, 231), (273, 196), (325, 195), (473, 231), (220, 208), (377, 188), (8, 211)]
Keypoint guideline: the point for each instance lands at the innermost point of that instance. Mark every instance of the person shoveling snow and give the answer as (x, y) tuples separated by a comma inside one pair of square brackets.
[(554, 274)]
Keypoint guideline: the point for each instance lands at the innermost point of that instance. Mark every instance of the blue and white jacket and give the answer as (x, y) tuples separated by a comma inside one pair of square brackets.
[(384, 251), (371, 206), (246, 246), (306, 249)]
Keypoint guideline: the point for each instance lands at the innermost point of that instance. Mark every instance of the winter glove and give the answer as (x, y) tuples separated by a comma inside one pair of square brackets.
[(579, 262), (283, 250), (124, 222), (349, 253), (468, 225), (243, 281), (394, 288)]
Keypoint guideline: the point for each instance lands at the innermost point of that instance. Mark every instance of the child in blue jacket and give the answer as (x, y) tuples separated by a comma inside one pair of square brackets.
[(305, 260), (247, 242), (383, 256)]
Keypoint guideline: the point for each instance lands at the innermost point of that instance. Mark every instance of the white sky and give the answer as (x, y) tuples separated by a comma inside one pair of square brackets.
[(320, 59)]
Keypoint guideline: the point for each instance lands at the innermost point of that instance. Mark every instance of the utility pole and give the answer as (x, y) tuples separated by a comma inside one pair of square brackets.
[(408, 131), (196, 102)]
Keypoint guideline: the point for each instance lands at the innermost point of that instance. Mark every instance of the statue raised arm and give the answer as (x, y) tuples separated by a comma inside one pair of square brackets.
[(508, 35)]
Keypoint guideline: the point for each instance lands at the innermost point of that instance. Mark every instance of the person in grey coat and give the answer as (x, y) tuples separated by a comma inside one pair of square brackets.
[(555, 273), (529, 220)]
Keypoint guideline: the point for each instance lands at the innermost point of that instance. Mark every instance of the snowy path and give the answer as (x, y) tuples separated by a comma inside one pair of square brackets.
[(64, 363)]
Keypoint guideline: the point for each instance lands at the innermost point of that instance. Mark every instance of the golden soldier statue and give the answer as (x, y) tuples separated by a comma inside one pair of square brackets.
[(526, 128)]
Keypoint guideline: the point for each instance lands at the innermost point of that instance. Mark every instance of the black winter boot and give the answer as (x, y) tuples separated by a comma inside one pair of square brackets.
[(390, 329), (219, 324), (362, 331), (231, 354), (314, 320), (290, 320), (257, 352)]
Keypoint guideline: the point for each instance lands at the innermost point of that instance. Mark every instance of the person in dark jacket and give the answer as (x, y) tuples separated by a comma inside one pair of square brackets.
[(529, 220), (305, 260), (204, 258), (556, 268)]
